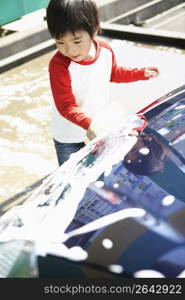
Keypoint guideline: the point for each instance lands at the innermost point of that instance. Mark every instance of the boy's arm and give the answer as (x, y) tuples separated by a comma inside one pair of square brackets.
[(65, 100), (121, 74)]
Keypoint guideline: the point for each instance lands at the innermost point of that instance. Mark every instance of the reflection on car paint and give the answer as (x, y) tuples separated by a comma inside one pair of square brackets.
[(110, 217)]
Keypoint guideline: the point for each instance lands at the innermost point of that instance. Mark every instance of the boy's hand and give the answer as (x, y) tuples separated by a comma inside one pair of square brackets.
[(91, 134), (151, 72), (134, 133)]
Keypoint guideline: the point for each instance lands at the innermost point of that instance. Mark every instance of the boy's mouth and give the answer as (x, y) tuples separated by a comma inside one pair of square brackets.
[(75, 56)]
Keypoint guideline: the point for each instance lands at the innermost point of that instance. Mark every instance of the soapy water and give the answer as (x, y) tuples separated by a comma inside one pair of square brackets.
[(26, 145), (53, 206), (46, 215), (27, 152)]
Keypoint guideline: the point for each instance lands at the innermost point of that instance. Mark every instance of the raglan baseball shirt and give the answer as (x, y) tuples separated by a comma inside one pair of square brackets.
[(81, 90)]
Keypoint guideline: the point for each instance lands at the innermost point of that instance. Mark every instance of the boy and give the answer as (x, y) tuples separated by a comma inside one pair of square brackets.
[(80, 73)]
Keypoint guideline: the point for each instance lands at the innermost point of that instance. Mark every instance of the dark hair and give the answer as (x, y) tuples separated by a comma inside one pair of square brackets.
[(147, 156), (72, 15)]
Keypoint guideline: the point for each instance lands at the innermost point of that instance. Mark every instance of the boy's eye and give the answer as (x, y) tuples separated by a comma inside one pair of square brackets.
[(77, 42)]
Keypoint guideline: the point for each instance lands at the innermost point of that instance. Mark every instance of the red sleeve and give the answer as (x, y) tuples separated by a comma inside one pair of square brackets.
[(63, 97), (121, 74)]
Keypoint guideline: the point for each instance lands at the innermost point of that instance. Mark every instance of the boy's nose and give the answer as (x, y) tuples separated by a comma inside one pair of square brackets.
[(70, 51)]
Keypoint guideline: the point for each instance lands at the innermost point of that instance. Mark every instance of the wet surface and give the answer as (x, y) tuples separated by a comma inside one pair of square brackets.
[(27, 152), (26, 144)]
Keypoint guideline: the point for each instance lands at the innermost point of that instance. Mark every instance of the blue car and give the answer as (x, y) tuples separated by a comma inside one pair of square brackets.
[(114, 209)]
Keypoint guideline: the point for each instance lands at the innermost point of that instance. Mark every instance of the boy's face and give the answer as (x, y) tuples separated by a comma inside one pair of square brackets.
[(76, 47)]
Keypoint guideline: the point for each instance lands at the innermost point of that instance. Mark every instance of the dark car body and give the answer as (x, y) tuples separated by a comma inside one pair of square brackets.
[(135, 244), (127, 244)]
